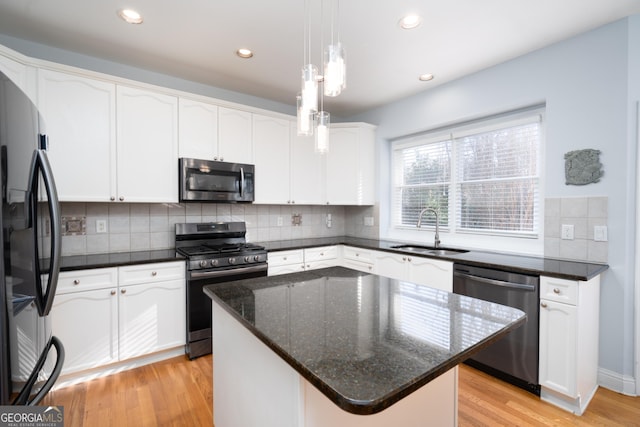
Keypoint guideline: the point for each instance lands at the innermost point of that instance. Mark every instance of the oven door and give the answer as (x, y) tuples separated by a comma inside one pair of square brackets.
[(199, 305), (204, 180)]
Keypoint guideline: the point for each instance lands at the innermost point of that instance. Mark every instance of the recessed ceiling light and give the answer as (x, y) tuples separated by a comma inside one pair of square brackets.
[(425, 77), (244, 53), (410, 21), (130, 16)]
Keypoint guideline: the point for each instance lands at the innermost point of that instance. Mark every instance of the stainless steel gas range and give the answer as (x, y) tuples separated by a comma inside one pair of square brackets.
[(216, 252)]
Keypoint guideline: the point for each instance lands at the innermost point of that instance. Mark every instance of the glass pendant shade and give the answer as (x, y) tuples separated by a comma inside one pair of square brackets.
[(305, 119), (335, 69), (322, 132), (309, 101)]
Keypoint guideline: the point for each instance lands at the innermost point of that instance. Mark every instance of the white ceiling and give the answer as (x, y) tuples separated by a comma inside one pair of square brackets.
[(196, 39)]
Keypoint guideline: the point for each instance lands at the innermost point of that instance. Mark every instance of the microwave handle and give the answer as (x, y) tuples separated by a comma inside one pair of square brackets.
[(241, 182)]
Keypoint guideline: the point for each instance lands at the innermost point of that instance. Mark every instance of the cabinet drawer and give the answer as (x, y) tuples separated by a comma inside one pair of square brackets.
[(87, 280), (358, 254), (286, 257), (560, 290), (150, 273), (318, 254)]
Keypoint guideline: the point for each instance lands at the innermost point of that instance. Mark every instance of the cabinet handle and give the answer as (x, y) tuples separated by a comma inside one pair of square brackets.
[(121, 198), (76, 282), (113, 198), (556, 291), (154, 273), (543, 304), (113, 292), (123, 291)]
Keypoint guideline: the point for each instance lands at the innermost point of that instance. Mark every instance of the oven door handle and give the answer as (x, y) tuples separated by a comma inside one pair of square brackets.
[(218, 273), (501, 283)]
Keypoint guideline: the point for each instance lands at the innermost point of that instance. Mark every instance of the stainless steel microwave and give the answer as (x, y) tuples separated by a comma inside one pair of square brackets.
[(209, 181)]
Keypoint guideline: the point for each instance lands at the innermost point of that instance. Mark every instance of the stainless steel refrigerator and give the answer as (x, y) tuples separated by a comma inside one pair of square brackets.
[(31, 357)]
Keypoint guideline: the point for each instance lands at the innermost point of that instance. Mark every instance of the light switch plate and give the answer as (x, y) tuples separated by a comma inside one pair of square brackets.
[(567, 232), (600, 233)]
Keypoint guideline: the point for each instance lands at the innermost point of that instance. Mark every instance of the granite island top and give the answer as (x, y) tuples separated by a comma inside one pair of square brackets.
[(563, 269), (363, 340)]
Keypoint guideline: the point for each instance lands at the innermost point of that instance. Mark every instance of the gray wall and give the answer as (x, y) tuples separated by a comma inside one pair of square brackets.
[(585, 82)]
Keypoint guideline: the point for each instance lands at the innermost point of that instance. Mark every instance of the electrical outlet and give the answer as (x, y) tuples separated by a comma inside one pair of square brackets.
[(567, 232), (101, 226)]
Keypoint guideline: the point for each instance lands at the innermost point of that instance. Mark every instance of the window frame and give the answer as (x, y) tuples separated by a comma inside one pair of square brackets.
[(457, 132)]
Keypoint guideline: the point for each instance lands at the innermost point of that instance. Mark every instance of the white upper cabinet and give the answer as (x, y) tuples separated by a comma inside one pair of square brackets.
[(272, 159), (350, 165), (234, 136), (307, 170), (147, 133), (80, 118), (198, 130), (23, 76)]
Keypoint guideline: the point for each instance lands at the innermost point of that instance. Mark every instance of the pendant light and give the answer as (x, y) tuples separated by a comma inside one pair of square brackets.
[(312, 120)]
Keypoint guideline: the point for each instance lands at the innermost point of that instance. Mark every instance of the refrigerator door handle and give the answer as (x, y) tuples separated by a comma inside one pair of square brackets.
[(23, 396), (45, 296)]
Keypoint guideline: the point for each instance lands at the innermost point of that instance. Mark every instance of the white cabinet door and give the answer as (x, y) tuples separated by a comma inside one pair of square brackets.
[(307, 171), (558, 335), (87, 325), (80, 116), (198, 130), (23, 76), (350, 178), (391, 265), (234, 136), (152, 317), (431, 272), (271, 158), (147, 132)]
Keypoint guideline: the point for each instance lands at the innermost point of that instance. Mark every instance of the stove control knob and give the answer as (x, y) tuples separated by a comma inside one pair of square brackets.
[(214, 262), (203, 263), (247, 259), (232, 260), (256, 258)]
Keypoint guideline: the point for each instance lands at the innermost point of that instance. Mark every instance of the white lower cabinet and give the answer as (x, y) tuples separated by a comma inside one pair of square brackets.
[(358, 259), (283, 262), (423, 271), (107, 315), (321, 257), (569, 325)]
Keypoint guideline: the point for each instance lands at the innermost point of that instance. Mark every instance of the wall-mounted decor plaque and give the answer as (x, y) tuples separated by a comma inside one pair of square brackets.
[(582, 167)]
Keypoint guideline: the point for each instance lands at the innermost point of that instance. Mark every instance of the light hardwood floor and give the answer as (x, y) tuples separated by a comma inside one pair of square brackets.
[(178, 392)]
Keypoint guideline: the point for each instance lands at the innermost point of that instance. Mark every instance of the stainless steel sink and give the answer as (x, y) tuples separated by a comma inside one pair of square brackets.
[(428, 250)]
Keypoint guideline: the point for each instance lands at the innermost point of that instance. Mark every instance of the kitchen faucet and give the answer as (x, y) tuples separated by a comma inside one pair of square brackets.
[(436, 242)]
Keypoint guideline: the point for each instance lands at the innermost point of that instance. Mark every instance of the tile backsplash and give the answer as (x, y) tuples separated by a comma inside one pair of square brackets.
[(149, 226), (584, 213)]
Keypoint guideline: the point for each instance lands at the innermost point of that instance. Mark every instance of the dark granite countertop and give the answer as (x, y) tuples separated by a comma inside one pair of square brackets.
[(363, 340), (117, 259), (564, 269)]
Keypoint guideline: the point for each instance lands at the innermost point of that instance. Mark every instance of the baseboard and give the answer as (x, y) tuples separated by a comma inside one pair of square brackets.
[(114, 368), (624, 384)]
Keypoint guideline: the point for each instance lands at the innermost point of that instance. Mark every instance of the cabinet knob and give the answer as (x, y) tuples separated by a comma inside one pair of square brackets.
[(221, 159), (404, 258), (293, 202), (357, 254), (321, 253), (284, 258), (154, 273), (543, 304), (112, 198), (556, 290), (215, 158), (76, 282), (409, 259), (113, 292), (121, 198), (123, 291)]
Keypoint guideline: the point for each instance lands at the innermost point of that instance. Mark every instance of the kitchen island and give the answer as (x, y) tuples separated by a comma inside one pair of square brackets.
[(340, 347)]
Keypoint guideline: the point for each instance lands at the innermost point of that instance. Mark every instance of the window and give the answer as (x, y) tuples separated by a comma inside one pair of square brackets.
[(481, 177)]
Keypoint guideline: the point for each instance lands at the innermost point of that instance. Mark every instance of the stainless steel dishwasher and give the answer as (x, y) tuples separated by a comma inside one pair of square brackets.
[(514, 358)]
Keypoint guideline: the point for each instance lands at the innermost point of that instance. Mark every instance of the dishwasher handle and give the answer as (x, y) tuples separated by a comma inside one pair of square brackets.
[(502, 283)]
